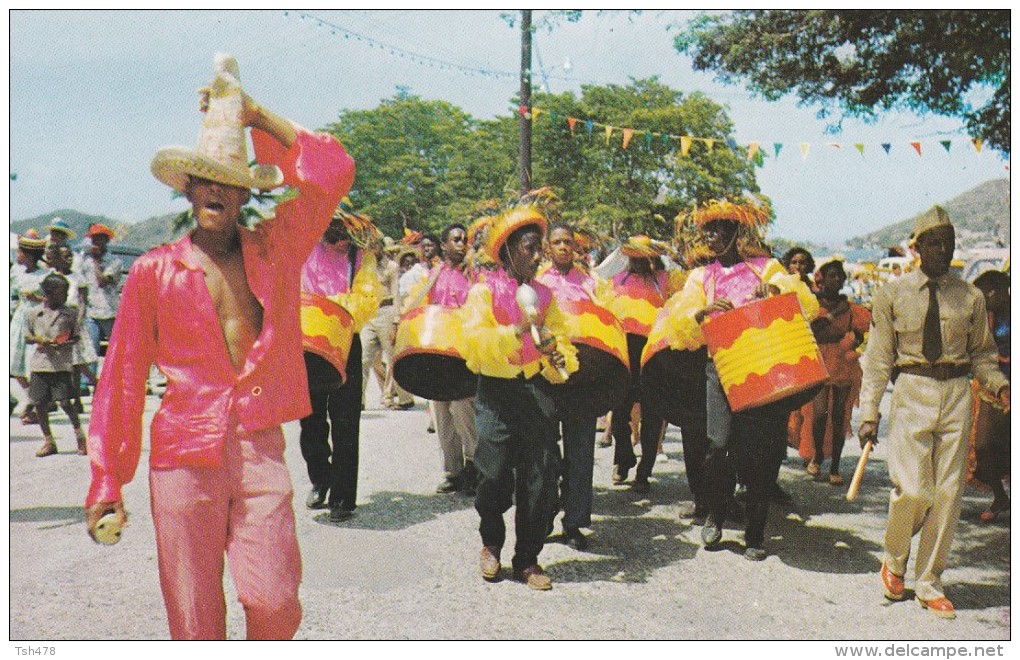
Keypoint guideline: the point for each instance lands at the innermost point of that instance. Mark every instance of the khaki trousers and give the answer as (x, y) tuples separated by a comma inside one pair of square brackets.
[(929, 424), (375, 339), (455, 426)]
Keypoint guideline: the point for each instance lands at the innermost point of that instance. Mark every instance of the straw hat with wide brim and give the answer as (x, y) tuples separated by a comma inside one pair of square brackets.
[(642, 246), (222, 152), (31, 240), (743, 212), (510, 221), (60, 225)]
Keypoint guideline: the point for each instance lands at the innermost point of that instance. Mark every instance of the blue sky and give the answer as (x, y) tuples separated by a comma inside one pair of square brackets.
[(94, 94)]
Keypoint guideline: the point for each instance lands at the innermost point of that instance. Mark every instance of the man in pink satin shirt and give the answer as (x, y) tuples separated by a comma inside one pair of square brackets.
[(218, 313)]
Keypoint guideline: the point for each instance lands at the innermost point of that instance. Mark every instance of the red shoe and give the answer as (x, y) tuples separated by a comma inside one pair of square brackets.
[(940, 607), (892, 583)]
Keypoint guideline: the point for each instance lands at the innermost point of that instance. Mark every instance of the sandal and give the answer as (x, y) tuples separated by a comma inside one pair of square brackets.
[(812, 469), (836, 479)]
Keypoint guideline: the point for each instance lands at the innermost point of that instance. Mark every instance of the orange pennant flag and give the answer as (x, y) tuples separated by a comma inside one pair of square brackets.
[(571, 121), (977, 144), (752, 149), (804, 149), (628, 133), (609, 131), (685, 144), (917, 147)]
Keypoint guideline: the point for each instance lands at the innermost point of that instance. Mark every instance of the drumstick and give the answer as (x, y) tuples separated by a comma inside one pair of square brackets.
[(855, 483)]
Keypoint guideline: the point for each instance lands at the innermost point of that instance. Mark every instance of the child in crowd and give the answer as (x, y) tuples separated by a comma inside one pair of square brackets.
[(53, 328)]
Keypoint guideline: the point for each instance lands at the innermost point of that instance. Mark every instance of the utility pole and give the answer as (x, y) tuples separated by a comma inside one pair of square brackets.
[(524, 157)]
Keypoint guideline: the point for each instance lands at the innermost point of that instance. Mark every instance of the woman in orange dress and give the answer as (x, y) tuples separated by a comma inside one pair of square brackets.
[(839, 329)]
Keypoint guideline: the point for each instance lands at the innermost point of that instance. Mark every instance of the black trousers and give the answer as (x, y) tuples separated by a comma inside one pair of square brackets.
[(651, 425), (578, 428), (754, 443), (517, 459), (693, 418), (336, 420)]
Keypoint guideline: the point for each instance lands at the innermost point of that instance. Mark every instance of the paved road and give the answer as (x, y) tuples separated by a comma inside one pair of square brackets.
[(405, 567)]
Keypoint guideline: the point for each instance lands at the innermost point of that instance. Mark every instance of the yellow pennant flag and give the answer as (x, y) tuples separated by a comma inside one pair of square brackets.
[(535, 112), (804, 149), (752, 149), (977, 144), (628, 133), (609, 131), (860, 148), (708, 143), (685, 144)]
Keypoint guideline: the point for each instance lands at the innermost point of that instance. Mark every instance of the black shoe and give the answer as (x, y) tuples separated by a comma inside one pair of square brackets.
[(620, 474), (711, 533), (317, 497), (339, 514), (450, 485), (640, 485), (575, 539), (755, 554)]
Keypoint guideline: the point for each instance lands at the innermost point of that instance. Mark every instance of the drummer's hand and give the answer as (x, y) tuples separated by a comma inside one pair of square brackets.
[(98, 510), (764, 290), (717, 305), (1004, 398), (522, 327), (557, 359), (868, 433)]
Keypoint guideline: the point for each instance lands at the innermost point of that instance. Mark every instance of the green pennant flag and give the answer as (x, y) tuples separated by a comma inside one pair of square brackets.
[(648, 140), (946, 144), (777, 146)]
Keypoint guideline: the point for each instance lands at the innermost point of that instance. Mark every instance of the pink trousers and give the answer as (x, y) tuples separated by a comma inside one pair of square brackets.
[(242, 509)]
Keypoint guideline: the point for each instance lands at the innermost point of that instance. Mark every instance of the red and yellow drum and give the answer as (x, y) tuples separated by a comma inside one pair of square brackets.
[(327, 330), (765, 352), (603, 376), (672, 381), (427, 360)]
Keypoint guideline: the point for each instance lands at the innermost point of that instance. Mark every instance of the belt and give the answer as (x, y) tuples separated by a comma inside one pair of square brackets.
[(936, 371), (386, 303)]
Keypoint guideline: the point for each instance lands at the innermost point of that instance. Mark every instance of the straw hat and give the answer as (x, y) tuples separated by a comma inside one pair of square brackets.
[(97, 229), (507, 223), (934, 217), (60, 225), (642, 246), (745, 212), (31, 240), (222, 153)]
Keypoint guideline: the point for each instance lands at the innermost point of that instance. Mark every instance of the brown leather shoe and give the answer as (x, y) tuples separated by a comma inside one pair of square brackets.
[(83, 449), (892, 583), (940, 607), (489, 563), (535, 577)]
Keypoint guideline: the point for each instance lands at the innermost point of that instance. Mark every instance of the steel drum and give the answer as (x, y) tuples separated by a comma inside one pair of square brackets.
[(672, 381), (765, 353), (603, 377), (327, 330), (427, 360)]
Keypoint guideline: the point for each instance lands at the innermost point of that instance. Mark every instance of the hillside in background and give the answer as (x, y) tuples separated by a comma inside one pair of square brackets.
[(981, 215), (79, 221)]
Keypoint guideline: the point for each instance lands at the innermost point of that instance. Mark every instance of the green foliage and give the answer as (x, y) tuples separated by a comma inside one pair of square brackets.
[(862, 62), (423, 164), (418, 162), (642, 188)]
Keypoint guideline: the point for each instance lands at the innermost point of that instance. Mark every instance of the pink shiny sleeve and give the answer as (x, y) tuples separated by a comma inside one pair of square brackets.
[(322, 172), (115, 428)]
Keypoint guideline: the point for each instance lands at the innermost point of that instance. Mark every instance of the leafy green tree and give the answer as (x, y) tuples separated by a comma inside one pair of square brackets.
[(947, 62), (419, 163), (619, 191)]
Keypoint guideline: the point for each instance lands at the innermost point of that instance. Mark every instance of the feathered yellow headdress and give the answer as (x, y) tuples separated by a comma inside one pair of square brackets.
[(744, 212), (362, 231)]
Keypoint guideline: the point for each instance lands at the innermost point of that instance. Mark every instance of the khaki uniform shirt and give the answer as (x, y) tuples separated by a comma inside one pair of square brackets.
[(897, 334)]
